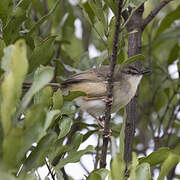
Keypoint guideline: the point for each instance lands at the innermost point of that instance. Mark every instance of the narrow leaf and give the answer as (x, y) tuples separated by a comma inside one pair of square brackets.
[(168, 164), (73, 157), (156, 157), (98, 174), (57, 99), (42, 53), (131, 60), (16, 67), (133, 166), (45, 76), (65, 126), (143, 172), (11, 147), (122, 136), (74, 94), (44, 18), (37, 156), (168, 20)]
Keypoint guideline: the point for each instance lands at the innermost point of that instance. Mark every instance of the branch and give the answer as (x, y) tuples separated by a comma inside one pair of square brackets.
[(110, 87), (50, 171), (55, 86), (154, 12)]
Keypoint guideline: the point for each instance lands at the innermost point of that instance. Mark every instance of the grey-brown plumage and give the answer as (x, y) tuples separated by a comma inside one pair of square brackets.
[(94, 82)]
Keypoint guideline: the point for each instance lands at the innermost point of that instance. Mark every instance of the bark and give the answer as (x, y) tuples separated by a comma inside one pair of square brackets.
[(134, 48), (110, 87), (136, 23)]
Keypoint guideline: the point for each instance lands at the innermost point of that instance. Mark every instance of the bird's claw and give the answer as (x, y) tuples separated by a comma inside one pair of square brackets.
[(107, 134), (108, 100)]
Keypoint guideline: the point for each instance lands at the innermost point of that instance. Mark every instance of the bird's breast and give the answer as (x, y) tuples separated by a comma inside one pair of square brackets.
[(95, 107)]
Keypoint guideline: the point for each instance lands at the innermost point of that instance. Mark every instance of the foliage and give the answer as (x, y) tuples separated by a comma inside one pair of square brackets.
[(39, 126)]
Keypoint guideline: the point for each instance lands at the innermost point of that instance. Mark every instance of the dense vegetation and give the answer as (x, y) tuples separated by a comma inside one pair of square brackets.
[(40, 45)]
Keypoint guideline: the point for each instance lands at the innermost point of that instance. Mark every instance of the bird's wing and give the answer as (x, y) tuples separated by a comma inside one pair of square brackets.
[(92, 82)]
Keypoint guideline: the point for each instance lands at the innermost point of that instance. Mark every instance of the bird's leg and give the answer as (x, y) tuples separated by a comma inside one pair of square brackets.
[(86, 98), (103, 98), (102, 125), (108, 100), (97, 119)]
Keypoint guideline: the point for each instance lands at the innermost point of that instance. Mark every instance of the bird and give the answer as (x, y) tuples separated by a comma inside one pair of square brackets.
[(94, 83)]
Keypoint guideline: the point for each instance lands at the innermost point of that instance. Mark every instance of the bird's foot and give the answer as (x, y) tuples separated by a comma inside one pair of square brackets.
[(98, 120), (108, 100), (102, 131), (107, 134), (86, 98)]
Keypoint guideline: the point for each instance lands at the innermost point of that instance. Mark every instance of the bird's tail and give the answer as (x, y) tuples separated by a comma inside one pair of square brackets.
[(55, 86)]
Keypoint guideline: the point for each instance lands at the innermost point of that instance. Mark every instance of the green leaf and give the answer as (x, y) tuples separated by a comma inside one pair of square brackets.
[(2, 45), (44, 18), (73, 157), (50, 116), (4, 9), (161, 100), (88, 134), (5, 174), (98, 11), (111, 34), (42, 53), (134, 3), (156, 157), (168, 164), (100, 59), (11, 146), (33, 128), (77, 139), (113, 5), (178, 64), (38, 155), (118, 164), (88, 12), (45, 75), (17, 17), (169, 34), (133, 166), (98, 174), (6, 59), (57, 99), (174, 53), (143, 172), (122, 135), (168, 20), (65, 126), (36, 123), (74, 94), (117, 168), (68, 108), (12, 84), (131, 60), (24, 4), (27, 176), (44, 97)]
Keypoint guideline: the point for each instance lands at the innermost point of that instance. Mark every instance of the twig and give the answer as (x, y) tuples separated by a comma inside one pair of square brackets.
[(50, 171), (166, 110), (37, 174), (97, 153), (84, 167), (55, 86), (110, 88), (45, 7), (65, 176), (154, 12), (173, 115)]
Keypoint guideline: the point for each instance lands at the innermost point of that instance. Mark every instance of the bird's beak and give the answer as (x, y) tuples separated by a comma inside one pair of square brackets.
[(146, 71)]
